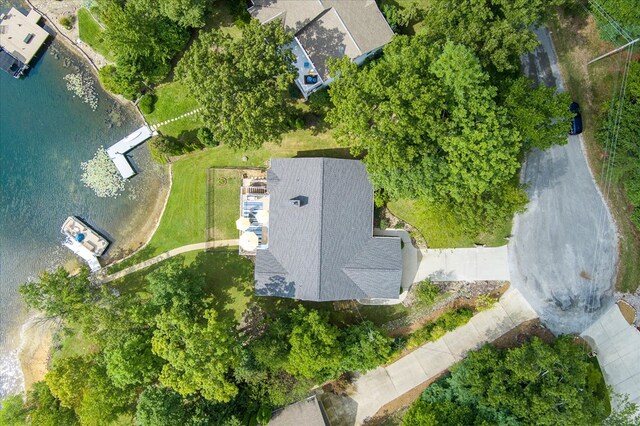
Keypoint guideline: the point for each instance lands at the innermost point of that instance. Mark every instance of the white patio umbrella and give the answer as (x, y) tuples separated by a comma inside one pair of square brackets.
[(243, 223), (262, 216), (249, 241)]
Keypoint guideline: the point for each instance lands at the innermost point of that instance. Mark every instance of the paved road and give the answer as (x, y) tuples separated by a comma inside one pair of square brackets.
[(384, 384), (167, 255), (464, 264), (563, 254)]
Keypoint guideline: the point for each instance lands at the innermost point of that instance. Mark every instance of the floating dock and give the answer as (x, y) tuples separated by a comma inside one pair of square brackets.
[(21, 37), (84, 241), (117, 152)]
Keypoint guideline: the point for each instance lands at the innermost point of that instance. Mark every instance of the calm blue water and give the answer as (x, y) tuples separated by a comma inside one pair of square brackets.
[(45, 133)]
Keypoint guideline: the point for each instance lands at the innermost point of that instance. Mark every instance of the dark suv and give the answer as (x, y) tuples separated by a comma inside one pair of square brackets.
[(576, 123)]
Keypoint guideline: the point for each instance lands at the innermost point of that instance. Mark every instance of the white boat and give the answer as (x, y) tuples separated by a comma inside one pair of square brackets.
[(84, 241)]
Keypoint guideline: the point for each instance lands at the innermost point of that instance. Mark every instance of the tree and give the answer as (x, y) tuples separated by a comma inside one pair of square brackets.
[(531, 107), (160, 406), (173, 284), (365, 348), (498, 31), (625, 12), (535, 383), (129, 359), (199, 352), (12, 411), (188, 13), (315, 348), (59, 294), (625, 414), (101, 174), (45, 410), (241, 84), (431, 128)]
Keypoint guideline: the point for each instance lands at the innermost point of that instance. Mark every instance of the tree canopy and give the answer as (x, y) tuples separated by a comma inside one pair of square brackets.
[(241, 84), (536, 383)]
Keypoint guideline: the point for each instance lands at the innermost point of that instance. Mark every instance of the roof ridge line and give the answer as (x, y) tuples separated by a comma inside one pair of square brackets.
[(320, 261), (348, 30)]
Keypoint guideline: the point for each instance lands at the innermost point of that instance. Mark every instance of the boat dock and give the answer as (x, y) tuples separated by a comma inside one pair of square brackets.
[(84, 241), (118, 151), (21, 38)]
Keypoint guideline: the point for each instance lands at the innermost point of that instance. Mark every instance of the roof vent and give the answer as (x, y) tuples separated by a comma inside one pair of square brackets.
[(299, 201), (294, 202)]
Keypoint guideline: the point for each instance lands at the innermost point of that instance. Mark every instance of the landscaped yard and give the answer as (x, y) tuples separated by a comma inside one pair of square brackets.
[(576, 40), (184, 219), (92, 34), (173, 101), (439, 227), (224, 199)]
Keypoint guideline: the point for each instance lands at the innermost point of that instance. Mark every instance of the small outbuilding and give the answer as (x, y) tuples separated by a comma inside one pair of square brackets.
[(21, 38)]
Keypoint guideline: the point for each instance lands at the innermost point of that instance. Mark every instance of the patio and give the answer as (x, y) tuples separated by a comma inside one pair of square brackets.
[(253, 223)]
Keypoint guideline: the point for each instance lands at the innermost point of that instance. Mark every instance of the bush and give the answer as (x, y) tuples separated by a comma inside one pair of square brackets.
[(320, 102), (147, 103), (438, 328), (67, 22), (484, 302), (400, 17), (114, 82), (426, 292), (384, 223), (205, 136)]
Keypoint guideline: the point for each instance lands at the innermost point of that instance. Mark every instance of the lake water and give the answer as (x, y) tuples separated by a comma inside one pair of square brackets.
[(45, 133)]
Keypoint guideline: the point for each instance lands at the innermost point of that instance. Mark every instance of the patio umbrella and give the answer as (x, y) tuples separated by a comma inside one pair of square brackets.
[(249, 241), (262, 216), (243, 223)]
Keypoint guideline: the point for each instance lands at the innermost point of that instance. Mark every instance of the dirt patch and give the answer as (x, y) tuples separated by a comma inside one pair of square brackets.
[(36, 337)]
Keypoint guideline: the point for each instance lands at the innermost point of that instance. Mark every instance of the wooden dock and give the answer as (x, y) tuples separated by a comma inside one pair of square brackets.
[(118, 151)]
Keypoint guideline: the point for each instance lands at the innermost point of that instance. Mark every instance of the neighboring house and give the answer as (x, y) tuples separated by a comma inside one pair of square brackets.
[(308, 412), (320, 235), (325, 29)]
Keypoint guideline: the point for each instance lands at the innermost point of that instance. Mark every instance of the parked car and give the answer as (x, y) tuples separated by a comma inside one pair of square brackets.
[(576, 123)]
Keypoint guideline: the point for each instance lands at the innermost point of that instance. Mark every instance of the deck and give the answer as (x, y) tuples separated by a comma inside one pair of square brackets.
[(118, 151)]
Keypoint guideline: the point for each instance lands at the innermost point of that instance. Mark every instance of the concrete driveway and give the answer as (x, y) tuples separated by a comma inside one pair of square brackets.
[(384, 384), (617, 345), (464, 264), (563, 253)]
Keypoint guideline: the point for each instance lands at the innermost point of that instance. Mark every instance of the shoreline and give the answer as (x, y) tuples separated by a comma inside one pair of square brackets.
[(34, 352)]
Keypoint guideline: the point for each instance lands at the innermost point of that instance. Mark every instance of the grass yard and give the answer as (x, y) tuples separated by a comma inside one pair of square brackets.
[(173, 101), (440, 229), (92, 34), (224, 197), (184, 219), (576, 40)]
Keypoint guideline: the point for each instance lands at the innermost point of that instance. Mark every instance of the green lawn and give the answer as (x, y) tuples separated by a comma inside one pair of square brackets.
[(439, 227), (225, 203), (173, 101), (184, 219), (92, 34)]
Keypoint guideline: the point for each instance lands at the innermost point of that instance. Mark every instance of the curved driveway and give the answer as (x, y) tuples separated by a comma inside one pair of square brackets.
[(563, 253)]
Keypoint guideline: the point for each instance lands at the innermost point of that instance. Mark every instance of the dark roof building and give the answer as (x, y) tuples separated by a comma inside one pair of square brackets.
[(308, 412), (321, 245)]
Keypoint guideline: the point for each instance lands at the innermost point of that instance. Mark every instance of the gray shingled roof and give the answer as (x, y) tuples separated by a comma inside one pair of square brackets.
[(324, 249), (329, 28)]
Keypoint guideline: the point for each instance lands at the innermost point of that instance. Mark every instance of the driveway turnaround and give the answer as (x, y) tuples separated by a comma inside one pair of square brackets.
[(464, 264), (563, 252), (617, 345), (384, 384)]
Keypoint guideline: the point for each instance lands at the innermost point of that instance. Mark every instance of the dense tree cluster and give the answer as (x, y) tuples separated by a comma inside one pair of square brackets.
[(144, 36), (626, 168), (168, 351), (626, 13), (241, 84), (434, 127), (535, 383)]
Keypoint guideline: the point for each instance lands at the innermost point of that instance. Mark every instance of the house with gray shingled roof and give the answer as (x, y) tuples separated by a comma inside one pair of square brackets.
[(321, 245), (325, 29)]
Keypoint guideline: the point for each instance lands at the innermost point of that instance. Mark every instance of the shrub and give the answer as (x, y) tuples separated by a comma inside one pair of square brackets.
[(66, 22), (426, 292), (299, 123), (384, 223), (320, 102), (436, 329), (400, 17), (484, 302), (114, 82), (147, 103), (164, 146), (205, 136)]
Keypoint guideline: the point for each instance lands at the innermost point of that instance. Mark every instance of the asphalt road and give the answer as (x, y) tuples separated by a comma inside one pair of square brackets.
[(563, 253)]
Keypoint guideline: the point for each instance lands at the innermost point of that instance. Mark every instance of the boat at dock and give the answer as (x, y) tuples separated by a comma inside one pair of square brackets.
[(84, 241)]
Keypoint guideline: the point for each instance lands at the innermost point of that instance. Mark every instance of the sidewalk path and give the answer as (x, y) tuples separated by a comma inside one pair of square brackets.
[(167, 255), (464, 264), (383, 385)]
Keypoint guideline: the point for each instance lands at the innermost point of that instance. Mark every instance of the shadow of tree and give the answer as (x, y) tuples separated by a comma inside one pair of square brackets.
[(277, 286)]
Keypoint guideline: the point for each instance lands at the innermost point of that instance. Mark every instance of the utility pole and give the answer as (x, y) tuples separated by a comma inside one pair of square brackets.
[(613, 51)]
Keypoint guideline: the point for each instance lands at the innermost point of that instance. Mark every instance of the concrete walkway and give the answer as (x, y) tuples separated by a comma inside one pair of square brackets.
[(464, 264), (384, 384), (167, 255), (617, 345)]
